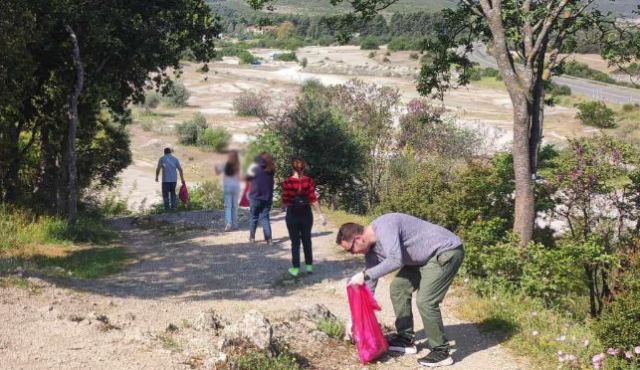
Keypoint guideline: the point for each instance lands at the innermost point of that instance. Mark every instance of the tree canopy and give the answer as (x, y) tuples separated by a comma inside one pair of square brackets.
[(121, 44)]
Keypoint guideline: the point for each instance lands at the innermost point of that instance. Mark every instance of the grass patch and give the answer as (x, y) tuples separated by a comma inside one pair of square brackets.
[(168, 342), (82, 262), (255, 360), (489, 83), (527, 328), (333, 327), (11, 281), (340, 217), (46, 244)]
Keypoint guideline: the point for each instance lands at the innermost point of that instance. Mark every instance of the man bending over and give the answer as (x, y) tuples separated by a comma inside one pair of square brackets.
[(428, 257)]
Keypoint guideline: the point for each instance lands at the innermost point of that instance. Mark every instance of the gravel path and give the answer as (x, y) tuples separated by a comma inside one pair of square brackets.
[(184, 265)]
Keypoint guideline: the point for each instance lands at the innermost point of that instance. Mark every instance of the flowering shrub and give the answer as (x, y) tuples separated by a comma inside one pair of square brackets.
[(251, 104)]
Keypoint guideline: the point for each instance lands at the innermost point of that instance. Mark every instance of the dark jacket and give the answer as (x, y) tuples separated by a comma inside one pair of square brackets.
[(261, 182)]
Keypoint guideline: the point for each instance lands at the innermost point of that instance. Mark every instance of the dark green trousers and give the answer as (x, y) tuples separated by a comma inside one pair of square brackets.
[(432, 282)]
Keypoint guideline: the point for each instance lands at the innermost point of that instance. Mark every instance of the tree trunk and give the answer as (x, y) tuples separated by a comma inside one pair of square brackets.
[(46, 189), (72, 207), (524, 216)]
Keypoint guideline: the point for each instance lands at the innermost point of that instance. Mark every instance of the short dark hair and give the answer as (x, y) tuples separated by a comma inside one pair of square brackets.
[(167, 150), (349, 231)]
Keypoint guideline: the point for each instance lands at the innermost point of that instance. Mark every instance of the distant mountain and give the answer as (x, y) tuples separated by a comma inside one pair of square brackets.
[(321, 7)]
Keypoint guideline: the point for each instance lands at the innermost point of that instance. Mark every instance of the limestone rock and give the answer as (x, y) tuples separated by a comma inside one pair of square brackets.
[(253, 327), (208, 320)]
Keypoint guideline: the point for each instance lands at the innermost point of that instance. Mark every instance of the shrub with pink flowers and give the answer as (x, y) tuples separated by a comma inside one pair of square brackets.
[(617, 358)]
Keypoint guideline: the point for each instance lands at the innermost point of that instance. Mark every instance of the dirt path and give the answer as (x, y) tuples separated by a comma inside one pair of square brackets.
[(180, 271)]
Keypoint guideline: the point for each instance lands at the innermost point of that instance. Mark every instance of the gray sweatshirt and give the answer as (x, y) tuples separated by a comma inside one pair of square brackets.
[(404, 240)]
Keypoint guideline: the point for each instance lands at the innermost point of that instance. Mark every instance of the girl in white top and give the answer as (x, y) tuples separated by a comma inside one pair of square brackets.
[(231, 187)]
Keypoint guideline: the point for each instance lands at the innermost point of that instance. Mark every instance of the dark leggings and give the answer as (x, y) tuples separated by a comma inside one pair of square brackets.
[(299, 223)]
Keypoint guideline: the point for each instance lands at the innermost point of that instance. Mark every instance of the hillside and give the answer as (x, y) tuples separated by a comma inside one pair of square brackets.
[(320, 7)]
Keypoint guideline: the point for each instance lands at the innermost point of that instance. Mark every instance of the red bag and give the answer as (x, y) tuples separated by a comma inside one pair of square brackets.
[(184, 194), (244, 199), (366, 331)]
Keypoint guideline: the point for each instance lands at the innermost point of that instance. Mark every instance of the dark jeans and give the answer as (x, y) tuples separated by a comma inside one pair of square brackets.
[(432, 282), (259, 210), (169, 195), (299, 223)]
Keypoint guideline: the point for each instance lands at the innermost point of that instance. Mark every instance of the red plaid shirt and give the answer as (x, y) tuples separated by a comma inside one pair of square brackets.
[(294, 186)]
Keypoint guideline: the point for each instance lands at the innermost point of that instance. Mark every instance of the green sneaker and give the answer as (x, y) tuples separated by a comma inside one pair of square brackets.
[(309, 268), (294, 271)]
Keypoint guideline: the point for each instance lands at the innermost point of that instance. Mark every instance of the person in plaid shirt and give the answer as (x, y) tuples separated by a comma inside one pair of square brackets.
[(298, 196)]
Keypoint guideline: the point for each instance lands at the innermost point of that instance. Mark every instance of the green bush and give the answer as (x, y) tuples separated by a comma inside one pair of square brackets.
[(286, 57), (582, 70), (190, 131), (256, 360), (552, 273), (304, 62), (369, 43), (334, 328), (216, 138), (619, 325), (404, 43), (558, 90), (246, 57), (176, 95), (151, 100), (207, 195), (477, 73), (630, 107), (597, 114)]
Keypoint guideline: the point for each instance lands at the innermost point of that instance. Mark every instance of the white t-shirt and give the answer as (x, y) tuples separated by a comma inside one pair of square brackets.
[(228, 181)]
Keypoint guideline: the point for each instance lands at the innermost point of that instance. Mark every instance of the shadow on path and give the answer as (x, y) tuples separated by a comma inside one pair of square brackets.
[(200, 264)]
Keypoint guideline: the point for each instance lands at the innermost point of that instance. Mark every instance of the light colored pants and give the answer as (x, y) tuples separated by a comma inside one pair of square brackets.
[(231, 199)]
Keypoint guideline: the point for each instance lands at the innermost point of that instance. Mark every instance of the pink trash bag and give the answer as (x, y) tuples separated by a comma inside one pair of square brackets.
[(184, 194), (366, 331)]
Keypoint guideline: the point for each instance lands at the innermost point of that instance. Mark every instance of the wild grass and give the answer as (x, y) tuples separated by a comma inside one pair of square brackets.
[(337, 217), (254, 360), (529, 329), (17, 282), (48, 245), (334, 328), (489, 83), (168, 342)]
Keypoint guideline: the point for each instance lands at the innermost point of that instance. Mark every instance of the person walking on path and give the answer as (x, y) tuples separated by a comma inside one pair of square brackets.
[(231, 189), (260, 174), (169, 165), (428, 257), (298, 196)]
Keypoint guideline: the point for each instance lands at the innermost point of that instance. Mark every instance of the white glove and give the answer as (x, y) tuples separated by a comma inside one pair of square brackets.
[(357, 279)]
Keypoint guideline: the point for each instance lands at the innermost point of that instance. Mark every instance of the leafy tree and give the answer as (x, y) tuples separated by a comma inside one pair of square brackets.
[(118, 46), (315, 131), (369, 110)]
